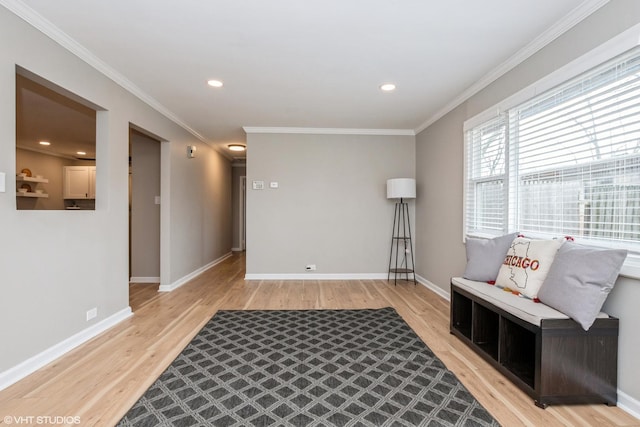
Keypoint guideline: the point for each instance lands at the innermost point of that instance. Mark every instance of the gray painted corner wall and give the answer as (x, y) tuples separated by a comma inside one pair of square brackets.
[(200, 208), (56, 265), (439, 160), (330, 208)]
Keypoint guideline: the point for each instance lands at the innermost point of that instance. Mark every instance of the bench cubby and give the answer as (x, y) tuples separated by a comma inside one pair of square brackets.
[(555, 362)]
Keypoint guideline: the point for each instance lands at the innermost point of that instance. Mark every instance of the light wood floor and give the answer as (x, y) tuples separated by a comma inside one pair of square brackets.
[(100, 380)]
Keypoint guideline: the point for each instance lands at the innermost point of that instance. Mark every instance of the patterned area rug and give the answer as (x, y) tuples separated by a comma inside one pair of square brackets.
[(307, 368)]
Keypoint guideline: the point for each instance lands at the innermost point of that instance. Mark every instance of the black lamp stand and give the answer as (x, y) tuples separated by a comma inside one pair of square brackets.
[(401, 240)]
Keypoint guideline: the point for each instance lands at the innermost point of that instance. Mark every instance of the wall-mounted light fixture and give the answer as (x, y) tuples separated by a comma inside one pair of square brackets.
[(191, 151)]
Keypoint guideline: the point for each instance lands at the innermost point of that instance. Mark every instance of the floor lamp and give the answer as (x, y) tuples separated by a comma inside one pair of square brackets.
[(401, 188)]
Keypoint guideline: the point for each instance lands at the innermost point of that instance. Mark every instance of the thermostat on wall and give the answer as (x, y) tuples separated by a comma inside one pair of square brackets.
[(258, 185)]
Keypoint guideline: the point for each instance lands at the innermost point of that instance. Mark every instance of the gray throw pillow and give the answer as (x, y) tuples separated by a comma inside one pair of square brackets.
[(580, 280), (485, 256)]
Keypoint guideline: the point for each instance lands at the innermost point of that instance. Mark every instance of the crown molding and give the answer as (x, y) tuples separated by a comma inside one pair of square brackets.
[(329, 131), (556, 30), (37, 21)]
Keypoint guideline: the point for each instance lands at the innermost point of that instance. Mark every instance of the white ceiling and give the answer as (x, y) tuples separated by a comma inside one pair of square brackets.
[(306, 63)]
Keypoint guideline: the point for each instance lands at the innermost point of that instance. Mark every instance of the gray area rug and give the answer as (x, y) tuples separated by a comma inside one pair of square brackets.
[(307, 368)]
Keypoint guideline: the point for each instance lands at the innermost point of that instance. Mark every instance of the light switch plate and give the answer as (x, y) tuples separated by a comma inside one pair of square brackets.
[(258, 185), (273, 184), (2, 182), (157, 200)]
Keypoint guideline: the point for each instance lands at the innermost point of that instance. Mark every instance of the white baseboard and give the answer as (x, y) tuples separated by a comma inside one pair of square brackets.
[(431, 286), (144, 280), (18, 372), (628, 404), (192, 275), (236, 249), (314, 276)]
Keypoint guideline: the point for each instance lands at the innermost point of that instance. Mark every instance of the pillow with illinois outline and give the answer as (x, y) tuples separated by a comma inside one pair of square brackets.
[(526, 265)]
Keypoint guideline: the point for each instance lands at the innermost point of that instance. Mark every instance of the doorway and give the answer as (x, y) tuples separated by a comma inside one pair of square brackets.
[(239, 206), (144, 217)]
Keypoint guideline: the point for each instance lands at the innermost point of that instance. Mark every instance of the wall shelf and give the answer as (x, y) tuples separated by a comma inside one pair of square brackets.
[(32, 179), (41, 195), (32, 191)]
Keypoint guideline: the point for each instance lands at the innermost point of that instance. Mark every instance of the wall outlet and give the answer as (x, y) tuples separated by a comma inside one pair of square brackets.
[(310, 267), (92, 313)]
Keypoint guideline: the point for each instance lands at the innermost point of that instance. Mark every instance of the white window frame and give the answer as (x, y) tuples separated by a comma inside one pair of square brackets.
[(618, 45)]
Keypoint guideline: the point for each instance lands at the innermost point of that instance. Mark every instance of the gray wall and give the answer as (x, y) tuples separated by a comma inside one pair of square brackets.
[(145, 213), (82, 257), (439, 159), (331, 208)]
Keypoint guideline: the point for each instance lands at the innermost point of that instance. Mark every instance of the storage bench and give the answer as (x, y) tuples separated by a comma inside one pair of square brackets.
[(544, 352)]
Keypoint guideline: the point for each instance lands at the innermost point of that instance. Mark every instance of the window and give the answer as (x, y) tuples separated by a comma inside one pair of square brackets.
[(564, 162), (55, 130), (486, 177)]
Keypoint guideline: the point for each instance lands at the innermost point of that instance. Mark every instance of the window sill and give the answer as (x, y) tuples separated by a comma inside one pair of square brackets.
[(631, 267)]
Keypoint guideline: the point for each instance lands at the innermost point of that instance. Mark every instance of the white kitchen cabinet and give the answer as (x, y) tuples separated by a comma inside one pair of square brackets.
[(79, 182)]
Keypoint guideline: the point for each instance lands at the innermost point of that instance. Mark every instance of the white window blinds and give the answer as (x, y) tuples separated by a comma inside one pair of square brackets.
[(486, 168), (573, 161)]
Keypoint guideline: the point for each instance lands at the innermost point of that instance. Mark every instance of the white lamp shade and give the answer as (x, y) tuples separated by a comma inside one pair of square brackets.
[(401, 188)]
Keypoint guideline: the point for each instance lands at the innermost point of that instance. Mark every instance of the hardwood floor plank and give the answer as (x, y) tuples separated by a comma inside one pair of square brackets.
[(100, 380), (142, 293)]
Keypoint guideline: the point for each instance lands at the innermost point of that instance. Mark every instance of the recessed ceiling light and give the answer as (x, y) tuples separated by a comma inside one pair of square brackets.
[(45, 143), (388, 87), (237, 147), (82, 153), (214, 83)]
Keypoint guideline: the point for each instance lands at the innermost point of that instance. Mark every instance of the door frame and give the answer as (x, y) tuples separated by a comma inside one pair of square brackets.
[(164, 149), (242, 212)]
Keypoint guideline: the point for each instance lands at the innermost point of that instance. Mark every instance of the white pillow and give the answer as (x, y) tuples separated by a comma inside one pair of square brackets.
[(526, 265)]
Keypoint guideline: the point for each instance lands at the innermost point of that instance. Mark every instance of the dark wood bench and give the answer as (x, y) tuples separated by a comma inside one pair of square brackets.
[(545, 353)]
